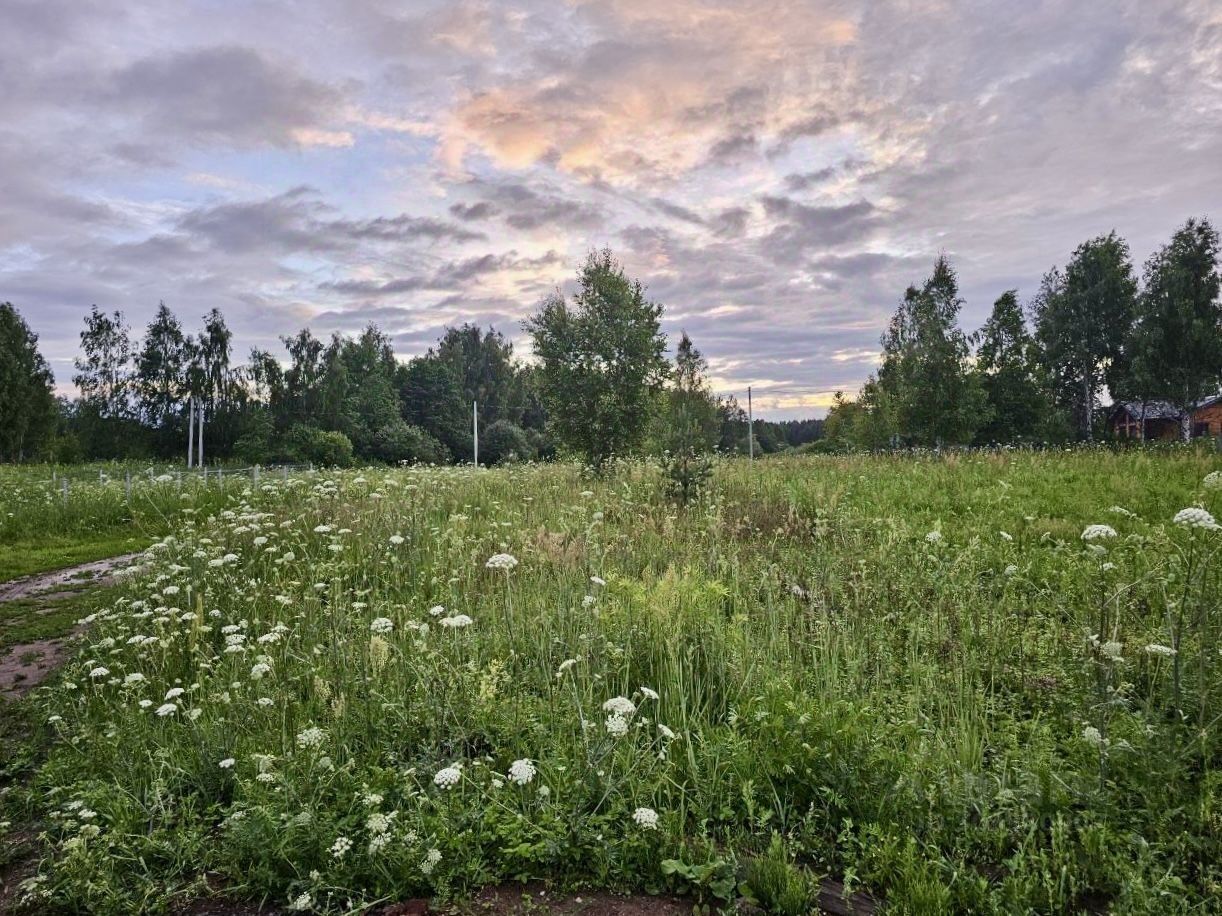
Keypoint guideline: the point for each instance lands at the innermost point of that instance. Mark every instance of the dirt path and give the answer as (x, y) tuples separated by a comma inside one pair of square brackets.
[(26, 664)]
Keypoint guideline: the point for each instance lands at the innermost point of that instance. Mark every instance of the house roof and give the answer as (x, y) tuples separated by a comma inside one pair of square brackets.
[(1150, 410)]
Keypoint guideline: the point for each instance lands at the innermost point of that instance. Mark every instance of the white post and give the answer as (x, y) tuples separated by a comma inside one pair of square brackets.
[(199, 451), (475, 428), (750, 427)]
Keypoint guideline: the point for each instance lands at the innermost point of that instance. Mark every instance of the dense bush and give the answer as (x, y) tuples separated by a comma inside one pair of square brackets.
[(398, 442), (503, 442), (316, 446)]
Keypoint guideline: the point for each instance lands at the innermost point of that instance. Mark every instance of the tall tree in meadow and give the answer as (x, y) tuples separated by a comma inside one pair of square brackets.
[(27, 403), (930, 395), (161, 370), (103, 370), (602, 360), (1083, 318), (483, 364), (432, 399), (1011, 376), (1175, 352), (303, 377)]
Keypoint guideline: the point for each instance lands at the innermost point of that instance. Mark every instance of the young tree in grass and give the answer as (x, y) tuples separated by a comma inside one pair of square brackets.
[(1175, 352), (1083, 318), (691, 422), (28, 410), (601, 360), (103, 368)]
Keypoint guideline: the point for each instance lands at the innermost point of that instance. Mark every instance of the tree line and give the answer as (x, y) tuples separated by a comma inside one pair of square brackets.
[(1038, 375), (600, 386)]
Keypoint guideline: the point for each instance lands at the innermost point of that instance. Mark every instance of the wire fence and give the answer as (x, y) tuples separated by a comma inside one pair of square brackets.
[(64, 481)]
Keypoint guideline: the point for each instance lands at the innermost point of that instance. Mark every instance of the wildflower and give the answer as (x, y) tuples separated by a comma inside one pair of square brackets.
[(1213, 480), (1163, 651), (257, 672), (457, 621), (617, 725), (666, 733), (1093, 736), (396, 539), (340, 847), (167, 709), (1111, 650), (646, 818), (587, 602), (1005, 535), (430, 861), (322, 529), (1098, 532), (99, 672), (227, 763), (134, 678), (598, 580), (620, 706), (311, 737), (301, 903), (447, 777), (1010, 569), (521, 772), (174, 693), (503, 561), (437, 610), (934, 537), (381, 625), (565, 666), (649, 693), (1193, 517)]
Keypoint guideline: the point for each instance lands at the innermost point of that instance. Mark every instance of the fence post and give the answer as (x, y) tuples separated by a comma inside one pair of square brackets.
[(180, 481), (64, 482), (254, 475), (284, 473), (127, 487)]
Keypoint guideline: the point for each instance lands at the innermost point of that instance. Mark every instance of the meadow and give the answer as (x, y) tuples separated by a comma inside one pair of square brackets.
[(985, 682)]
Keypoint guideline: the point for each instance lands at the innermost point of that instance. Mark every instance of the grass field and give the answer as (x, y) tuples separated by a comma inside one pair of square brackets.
[(929, 678)]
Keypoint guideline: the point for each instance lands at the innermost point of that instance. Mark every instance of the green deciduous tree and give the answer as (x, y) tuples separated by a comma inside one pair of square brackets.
[(1083, 318), (28, 410), (690, 423), (161, 373), (1013, 382), (927, 391), (601, 360), (1175, 352)]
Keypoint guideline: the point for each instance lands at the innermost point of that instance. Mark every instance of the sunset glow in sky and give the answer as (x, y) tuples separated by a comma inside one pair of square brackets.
[(775, 171)]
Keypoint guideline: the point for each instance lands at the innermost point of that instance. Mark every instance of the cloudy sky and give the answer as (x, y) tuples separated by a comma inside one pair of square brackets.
[(776, 171)]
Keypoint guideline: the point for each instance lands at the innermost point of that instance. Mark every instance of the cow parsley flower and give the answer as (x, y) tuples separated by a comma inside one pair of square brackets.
[(447, 777), (99, 672), (457, 621), (503, 561), (227, 763), (431, 860), (381, 625), (617, 725), (437, 610), (301, 903), (521, 772), (1111, 650), (167, 709), (174, 693), (1213, 480), (1193, 517), (340, 847), (646, 818), (1093, 736), (1098, 532), (311, 737), (1160, 650), (621, 706), (565, 666), (257, 672), (649, 693), (598, 580), (934, 537), (134, 678), (396, 539)]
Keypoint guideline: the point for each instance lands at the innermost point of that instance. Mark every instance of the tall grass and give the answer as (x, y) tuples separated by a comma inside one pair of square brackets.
[(913, 674)]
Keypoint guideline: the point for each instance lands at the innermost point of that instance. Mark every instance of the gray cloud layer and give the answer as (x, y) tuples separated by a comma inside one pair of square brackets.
[(776, 172)]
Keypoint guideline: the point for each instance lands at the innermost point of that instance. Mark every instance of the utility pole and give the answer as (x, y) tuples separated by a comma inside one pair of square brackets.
[(475, 428), (200, 450), (750, 427), (190, 432)]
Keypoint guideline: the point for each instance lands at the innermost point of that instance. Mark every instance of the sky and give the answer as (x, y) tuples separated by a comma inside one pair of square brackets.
[(776, 172)]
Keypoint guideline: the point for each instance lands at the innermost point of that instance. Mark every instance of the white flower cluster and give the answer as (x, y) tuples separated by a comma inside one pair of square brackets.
[(1213, 480), (1098, 532), (381, 625), (646, 818), (311, 737), (456, 622), (1193, 517), (522, 771), (503, 561), (447, 777)]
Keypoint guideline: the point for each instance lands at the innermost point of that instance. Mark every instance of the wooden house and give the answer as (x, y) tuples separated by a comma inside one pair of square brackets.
[(1155, 420)]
